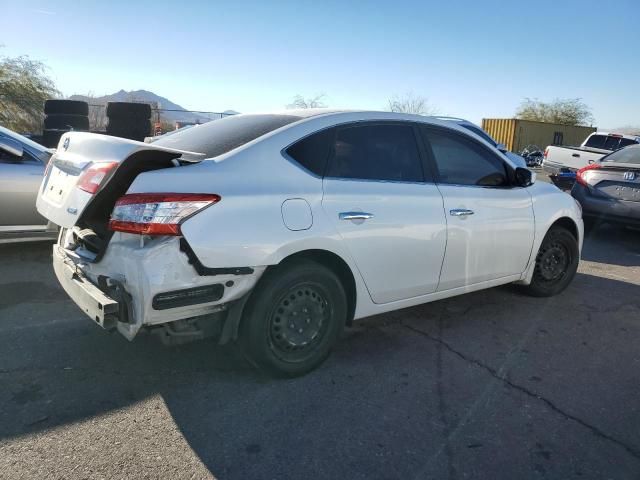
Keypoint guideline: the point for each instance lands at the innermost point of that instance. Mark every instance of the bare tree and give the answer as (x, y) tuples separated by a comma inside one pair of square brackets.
[(24, 87), (567, 111), (411, 103), (312, 102)]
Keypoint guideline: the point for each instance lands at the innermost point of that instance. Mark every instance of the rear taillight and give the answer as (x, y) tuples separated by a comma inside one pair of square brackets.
[(157, 213), (582, 176), (92, 178), (546, 152)]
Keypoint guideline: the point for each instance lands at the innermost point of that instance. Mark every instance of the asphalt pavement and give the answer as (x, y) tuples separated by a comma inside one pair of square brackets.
[(492, 384)]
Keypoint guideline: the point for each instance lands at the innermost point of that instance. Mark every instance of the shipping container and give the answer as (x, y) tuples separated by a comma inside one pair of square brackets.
[(516, 134)]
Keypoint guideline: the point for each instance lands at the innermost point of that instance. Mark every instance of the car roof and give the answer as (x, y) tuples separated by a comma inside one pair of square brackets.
[(374, 114)]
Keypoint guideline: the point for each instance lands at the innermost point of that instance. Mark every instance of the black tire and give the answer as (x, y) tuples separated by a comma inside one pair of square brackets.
[(556, 263), (128, 110), (128, 124), (132, 130), (50, 138), (68, 107), (66, 122), (293, 318)]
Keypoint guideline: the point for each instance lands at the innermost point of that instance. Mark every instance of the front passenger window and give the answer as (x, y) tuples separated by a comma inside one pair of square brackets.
[(461, 162)]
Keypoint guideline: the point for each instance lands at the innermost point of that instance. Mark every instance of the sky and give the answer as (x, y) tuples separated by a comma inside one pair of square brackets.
[(470, 58)]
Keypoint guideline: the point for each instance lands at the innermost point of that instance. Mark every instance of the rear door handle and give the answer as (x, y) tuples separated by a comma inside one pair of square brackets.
[(355, 215), (577, 155), (460, 212)]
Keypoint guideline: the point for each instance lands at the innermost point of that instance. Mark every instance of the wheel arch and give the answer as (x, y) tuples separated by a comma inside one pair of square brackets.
[(568, 224), (563, 221), (336, 264)]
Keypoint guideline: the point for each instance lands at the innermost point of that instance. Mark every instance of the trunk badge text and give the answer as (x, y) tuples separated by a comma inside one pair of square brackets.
[(629, 175)]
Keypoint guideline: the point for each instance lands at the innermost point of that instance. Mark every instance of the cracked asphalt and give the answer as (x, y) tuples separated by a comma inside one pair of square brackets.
[(492, 384)]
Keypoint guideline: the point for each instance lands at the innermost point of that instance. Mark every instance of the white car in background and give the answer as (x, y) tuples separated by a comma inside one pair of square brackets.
[(559, 158), (280, 229)]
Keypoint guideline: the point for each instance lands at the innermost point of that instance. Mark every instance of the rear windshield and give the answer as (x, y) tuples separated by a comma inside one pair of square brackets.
[(626, 155), (608, 142), (221, 136)]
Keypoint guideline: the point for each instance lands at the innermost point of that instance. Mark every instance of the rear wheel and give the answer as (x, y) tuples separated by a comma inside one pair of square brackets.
[(293, 318), (556, 263)]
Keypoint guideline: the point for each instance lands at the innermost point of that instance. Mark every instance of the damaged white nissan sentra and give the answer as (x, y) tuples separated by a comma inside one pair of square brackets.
[(279, 229)]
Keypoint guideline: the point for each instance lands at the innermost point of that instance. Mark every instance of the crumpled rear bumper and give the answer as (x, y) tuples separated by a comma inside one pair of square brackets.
[(120, 289), (94, 302)]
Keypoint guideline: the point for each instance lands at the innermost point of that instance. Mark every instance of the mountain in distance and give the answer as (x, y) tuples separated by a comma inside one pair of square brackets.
[(169, 111)]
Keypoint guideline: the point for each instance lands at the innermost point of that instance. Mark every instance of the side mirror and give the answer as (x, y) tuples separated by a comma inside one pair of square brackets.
[(525, 177), (11, 146), (502, 147)]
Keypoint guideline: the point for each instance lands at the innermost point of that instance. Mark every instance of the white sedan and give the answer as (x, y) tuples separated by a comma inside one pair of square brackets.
[(279, 229)]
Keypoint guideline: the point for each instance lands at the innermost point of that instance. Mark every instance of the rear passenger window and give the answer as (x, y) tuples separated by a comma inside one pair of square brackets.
[(461, 161), (312, 152), (376, 152)]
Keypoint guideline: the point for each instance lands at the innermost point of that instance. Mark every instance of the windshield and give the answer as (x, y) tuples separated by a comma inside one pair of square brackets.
[(221, 136), (625, 155)]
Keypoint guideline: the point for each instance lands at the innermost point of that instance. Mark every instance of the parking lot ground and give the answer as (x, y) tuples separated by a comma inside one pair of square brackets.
[(492, 384)]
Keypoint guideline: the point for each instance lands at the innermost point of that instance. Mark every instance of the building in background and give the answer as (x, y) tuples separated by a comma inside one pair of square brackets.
[(516, 134)]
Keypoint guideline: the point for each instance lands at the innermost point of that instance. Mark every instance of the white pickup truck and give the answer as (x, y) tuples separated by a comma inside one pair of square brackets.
[(561, 163)]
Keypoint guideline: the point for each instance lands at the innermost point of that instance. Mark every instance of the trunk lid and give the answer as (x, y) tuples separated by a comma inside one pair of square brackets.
[(617, 181), (60, 199)]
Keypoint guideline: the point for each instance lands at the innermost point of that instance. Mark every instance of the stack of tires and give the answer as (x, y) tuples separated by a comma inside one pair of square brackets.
[(63, 116), (129, 120)]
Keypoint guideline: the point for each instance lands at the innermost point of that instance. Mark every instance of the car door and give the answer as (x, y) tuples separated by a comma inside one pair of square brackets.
[(386, 210), (20, 179), (490, 222)]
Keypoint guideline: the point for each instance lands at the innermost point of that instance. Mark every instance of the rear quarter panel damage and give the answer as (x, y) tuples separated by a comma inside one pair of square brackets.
[(155, 266)]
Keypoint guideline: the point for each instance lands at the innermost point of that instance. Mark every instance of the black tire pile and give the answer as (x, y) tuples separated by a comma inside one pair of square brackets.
[(63, 116), (129, 120)]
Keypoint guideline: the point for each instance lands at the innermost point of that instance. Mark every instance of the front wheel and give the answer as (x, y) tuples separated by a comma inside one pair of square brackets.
[(556, 263), (294, 316)]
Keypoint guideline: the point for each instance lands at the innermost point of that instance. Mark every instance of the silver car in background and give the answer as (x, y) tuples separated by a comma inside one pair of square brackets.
[(22, 166)]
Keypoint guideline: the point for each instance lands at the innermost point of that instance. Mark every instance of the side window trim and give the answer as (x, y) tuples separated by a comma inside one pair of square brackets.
[(433, 164), (367, 123)]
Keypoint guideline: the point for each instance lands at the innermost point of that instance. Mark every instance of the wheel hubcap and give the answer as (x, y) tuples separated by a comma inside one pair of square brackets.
[(299, 320)]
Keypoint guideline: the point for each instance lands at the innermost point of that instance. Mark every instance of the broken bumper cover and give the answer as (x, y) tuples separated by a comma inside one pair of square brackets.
[(94, 302), (138, 285)]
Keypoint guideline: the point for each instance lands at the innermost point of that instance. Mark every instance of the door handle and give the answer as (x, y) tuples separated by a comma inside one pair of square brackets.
[(460, 212), (577, 155), (355, 215)]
